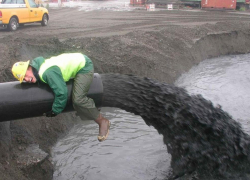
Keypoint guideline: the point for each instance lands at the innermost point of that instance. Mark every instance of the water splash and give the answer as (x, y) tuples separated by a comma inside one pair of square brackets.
[(200, 137)]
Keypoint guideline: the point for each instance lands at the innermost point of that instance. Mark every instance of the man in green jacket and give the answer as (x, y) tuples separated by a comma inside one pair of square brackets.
[(55, 72)]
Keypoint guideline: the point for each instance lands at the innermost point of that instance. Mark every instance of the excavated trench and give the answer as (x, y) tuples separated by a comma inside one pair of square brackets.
[(204, 141)]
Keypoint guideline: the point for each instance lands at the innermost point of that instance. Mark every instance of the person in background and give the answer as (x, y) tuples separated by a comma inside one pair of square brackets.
[(55, 72)]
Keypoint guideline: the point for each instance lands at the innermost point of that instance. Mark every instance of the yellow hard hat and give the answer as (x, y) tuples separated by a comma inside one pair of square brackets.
[(19, 70)]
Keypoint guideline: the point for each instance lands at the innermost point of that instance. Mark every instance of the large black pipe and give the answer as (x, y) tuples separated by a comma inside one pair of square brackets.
[(18, 101)]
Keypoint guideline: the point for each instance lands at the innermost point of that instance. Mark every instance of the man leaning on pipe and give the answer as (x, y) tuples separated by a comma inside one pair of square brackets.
[(57, 70)]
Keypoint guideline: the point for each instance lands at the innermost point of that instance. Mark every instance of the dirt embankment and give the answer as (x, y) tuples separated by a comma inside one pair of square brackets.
[(160, 45)]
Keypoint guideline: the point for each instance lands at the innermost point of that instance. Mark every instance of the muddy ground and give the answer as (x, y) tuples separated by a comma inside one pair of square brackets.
[(159, 45)]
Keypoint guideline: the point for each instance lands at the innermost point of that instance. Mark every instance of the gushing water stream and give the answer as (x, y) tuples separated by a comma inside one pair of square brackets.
[(199, 136), (203, 140), (224, 81)]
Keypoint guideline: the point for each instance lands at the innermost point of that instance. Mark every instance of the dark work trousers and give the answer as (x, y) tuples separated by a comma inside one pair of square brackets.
[(84, 106)]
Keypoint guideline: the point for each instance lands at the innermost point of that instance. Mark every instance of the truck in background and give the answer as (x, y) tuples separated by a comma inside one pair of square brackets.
[(15, 13)]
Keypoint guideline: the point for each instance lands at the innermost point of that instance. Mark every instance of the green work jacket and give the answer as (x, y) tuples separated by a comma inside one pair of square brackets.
[(56, 71)]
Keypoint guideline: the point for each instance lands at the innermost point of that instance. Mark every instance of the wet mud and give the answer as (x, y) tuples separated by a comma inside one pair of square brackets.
[(160, 45), (203, 140)]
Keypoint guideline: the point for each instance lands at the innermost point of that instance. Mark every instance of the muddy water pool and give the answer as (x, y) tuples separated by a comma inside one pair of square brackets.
[(136, 151), (132, 151)]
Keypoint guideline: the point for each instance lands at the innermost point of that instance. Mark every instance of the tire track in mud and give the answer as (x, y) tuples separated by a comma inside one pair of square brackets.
[(70, 22), (110, 54)]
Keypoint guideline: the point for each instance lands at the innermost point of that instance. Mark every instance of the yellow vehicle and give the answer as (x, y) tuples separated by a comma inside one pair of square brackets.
[(15, 13)]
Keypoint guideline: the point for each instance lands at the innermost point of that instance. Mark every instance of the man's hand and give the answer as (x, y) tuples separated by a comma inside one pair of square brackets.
[(50, 114)]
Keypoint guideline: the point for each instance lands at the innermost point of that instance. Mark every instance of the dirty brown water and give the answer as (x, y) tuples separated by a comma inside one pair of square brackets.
[(127, 154), (204, 141)]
